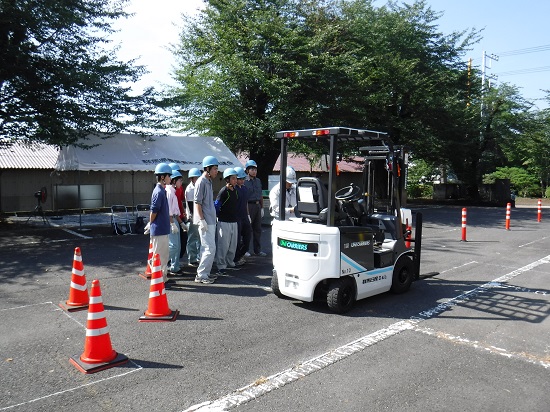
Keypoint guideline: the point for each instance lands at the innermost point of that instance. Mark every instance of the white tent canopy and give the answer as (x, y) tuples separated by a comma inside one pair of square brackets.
[(132, 153)]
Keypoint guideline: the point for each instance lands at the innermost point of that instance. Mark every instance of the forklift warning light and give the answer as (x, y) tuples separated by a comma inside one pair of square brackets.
[(290, 134), (300, 246), (321, 132)]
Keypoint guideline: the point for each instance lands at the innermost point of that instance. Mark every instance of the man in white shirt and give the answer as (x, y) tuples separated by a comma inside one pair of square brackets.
[(275, 195)]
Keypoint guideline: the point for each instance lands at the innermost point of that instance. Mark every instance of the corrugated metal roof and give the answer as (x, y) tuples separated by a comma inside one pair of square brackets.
[(17, 155), (300, 163)]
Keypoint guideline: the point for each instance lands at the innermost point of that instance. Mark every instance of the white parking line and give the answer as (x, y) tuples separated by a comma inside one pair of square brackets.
[(72, 232), (278, 380), (526, 357), (138, 367), (534, 241)]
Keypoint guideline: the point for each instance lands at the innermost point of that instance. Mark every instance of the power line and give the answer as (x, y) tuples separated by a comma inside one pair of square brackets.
[(525, 71), (526, 50)]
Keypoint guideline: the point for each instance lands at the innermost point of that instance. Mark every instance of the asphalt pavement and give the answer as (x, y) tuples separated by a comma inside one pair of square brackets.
[(472, 334)]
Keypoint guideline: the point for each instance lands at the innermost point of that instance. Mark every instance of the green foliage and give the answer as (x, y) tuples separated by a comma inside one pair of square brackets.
[(420, 175), (248, 68), (57, 81), (520, 180)]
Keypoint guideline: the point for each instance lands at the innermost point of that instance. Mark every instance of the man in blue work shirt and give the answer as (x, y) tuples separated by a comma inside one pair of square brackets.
[(204, 216), (255, 205), (159, 218)]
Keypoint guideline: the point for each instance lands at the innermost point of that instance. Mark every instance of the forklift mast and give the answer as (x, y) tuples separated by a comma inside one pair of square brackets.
[(379, 154)]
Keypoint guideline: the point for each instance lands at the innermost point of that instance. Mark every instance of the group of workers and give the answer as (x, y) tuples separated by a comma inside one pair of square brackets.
[(219, 228)]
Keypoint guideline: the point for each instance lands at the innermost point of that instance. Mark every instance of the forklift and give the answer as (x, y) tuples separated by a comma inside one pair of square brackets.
[(351, 242)]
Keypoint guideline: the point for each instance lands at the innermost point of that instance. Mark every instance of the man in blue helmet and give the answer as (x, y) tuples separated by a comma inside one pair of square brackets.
[(180, 194), (227, 208), (193, 239), (244, 231), (255, 205), (204, 216), (174, 238), (159, 218)]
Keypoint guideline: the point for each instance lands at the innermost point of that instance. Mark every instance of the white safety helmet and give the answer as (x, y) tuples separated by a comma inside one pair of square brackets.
[(290, 175)]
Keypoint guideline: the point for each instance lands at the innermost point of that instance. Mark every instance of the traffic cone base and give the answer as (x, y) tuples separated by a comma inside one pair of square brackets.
[(168, 318), (87, 368), (67, 307), (145, 276)]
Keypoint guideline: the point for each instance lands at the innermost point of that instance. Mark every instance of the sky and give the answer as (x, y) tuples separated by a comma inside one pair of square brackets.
[(515, 31)]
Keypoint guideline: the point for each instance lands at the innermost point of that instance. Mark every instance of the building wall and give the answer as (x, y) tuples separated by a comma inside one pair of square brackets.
[(17, 188)]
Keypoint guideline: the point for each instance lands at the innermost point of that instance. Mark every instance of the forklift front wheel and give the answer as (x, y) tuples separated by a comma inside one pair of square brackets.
[(403, 275), (341, 295), (275, 286)]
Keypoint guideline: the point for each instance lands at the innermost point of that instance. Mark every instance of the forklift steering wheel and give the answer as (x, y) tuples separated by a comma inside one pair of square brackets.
[(351, 192)]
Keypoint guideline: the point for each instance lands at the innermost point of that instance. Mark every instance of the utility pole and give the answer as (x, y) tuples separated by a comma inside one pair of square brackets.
[(486, 58)]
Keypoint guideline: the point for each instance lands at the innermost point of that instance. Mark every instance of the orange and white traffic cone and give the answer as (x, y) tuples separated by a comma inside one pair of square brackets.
[(98, 353), (158, 310), (148, 271), (78, 293)]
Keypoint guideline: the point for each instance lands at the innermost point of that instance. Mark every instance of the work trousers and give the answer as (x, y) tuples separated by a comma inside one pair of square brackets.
[(256, 221), (226, 244), (244, 234), (208, 251), (193, 243), (174, 247)]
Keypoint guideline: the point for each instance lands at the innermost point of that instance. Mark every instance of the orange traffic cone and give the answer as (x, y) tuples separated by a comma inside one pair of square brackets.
[(148, 272), (158, 310), (98, 353), (78, 293)]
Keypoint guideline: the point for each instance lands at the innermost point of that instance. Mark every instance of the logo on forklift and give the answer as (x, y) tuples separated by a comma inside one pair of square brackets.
[(357, 244), (300, 246)]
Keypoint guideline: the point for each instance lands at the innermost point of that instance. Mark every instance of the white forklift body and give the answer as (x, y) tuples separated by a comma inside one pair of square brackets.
[(339, 247)]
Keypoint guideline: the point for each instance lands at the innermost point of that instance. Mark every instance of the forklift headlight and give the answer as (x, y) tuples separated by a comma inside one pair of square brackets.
[(291, 281)]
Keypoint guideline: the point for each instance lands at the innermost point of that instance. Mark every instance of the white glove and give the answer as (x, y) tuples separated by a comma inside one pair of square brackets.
[(147, 228), (289, 210), (183, 226), (203, 226), (174, 228), (262, 212)]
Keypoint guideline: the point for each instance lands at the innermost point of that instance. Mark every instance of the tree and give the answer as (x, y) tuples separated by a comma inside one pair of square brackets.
[(248, 68), (520, 179), (246, 71), (58, 83)]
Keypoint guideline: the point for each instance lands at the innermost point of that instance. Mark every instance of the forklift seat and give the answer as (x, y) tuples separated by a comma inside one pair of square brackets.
[(312, 199)]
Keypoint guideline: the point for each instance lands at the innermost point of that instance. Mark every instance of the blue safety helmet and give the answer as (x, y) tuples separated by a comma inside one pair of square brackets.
[(250, 163), (229, 172), (174, 166), (175, 174), (194, 172), (209, 161), (241, 174), (163, 169)]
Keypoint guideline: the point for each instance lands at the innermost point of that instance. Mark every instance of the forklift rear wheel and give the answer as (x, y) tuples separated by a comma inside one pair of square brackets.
[(275, 286), (341, 295), (403, 275)]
